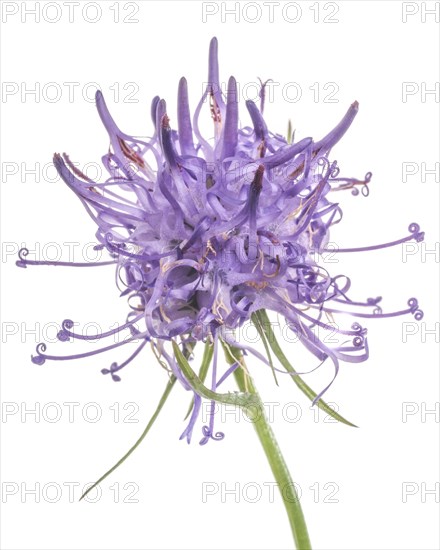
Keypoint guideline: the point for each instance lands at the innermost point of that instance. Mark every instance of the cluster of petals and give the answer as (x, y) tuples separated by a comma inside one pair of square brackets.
[(205, 232)]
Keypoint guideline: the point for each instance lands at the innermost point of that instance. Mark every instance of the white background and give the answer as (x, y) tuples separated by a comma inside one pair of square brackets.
[(369, 53)]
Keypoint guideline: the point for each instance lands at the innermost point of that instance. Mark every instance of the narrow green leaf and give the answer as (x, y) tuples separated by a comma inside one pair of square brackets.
[(266, 347), (164, 397), (243, 399), (206, 361), (261, 318)]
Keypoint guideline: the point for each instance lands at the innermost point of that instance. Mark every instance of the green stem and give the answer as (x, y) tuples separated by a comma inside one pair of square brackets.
[(273, 453)]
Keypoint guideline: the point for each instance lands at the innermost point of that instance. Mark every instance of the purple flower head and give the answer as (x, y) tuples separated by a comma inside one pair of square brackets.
[(205, 233)]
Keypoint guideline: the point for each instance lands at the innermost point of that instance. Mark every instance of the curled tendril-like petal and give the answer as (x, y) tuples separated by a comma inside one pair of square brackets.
[(39, 359), (360, 339), (22, 254), (415, 310), (41, 348), (365, 190), (418, 314), (67, 324), (216, 436), (63, 336), (325, 163), (136, 306), (356, 326), (334, 171), (418, 235), (113, 368)]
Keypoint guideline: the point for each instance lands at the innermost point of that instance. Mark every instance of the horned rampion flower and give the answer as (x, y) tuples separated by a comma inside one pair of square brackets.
[(206, 234)]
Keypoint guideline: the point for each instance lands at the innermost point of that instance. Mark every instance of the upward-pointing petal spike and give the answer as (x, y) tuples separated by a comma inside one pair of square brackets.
[(230, 136)]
